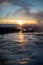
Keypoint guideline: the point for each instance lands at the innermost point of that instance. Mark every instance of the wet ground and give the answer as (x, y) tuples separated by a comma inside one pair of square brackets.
[(21, 49)]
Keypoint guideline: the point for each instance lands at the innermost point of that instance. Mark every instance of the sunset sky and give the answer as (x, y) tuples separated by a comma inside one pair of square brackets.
[(21, 11)]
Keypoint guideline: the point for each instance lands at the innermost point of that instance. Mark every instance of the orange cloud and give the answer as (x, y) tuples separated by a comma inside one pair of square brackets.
[(12, 21)]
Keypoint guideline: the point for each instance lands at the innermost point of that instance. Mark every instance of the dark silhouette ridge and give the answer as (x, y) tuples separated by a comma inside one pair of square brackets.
[(16, 28), (8, 30)]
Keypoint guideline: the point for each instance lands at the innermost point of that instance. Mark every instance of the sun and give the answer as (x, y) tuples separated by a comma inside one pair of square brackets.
[(20, 22)]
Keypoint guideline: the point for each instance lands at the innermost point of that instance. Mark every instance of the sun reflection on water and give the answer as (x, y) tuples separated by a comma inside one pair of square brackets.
[(21, 48), (20, 37)]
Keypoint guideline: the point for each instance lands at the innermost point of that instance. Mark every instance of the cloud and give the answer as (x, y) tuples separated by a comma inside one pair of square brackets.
[(25, 4), (4, 2), (1, 8), (8, 14), (22, 3), (38, 16), (22, 11)]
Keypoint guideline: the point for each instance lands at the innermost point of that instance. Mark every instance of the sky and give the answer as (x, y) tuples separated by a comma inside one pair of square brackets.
[(26, 10)]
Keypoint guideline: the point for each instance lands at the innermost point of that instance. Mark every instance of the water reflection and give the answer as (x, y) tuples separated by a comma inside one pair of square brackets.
[(21, 48), (20, 37), (22, 43)]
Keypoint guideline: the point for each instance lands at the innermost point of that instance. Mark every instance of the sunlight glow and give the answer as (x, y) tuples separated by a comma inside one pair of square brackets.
[(20, 22)]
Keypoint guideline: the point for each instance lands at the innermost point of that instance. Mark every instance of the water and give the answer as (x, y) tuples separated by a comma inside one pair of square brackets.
[(21, 49)]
